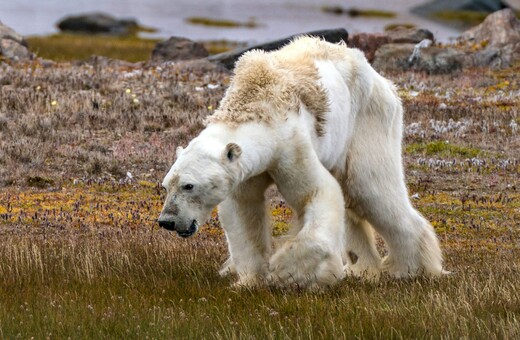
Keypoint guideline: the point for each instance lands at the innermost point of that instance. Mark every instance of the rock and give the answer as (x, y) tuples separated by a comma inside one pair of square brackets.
[(499, 37), (496, 57), (434, 60), (459, 14), (483, 5), (409, 35), (177, 48), (12, 45), (93, 23), (437, 6), (228, 59), (370, 42), (498, 29)]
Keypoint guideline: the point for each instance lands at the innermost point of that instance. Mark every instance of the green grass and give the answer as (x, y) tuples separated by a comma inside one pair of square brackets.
[(154, 285), (471, 18), (70, 47), (220, 22), (66, 47), (391, 27), (88, 262), (442, 148)]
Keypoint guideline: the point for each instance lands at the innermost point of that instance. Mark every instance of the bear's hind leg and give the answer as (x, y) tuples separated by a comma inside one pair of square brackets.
[(412, 252), (362, 257), (413, 246)]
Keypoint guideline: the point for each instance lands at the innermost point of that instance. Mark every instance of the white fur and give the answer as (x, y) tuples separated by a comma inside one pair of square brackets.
[(342, 184)]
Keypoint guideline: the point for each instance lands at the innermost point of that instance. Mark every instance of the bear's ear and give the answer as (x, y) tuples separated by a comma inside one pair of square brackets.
[(232, 152), (178, 151)]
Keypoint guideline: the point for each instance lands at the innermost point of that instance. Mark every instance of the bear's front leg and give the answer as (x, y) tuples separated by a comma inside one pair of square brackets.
[(313, 256), (243, 217), (307, 262)]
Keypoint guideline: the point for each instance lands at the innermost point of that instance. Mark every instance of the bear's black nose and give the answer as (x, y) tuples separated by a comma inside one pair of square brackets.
[(169, 225)]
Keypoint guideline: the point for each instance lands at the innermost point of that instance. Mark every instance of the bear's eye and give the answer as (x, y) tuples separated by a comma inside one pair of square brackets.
[(187, 187)]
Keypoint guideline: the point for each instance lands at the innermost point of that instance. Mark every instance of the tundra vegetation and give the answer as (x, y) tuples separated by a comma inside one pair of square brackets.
[(84, 146)]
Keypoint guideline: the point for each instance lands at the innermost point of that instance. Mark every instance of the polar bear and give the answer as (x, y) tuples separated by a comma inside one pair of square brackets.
[(316, 119)]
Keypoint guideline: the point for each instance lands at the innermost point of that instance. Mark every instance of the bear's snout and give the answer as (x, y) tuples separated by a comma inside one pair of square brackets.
[(190, 231), (168, 225)]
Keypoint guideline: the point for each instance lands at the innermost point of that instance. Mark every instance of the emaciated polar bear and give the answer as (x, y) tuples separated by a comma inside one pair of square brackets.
[(318, 121)]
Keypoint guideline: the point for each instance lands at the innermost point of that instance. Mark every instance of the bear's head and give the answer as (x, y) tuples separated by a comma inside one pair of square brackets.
[(203, 175)]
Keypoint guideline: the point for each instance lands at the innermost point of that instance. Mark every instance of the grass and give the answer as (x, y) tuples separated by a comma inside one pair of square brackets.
[(81, 256), (88, 262), (70, 47), (220, 22), (442, 148), (391, 27), (66, 46), (468, 18)]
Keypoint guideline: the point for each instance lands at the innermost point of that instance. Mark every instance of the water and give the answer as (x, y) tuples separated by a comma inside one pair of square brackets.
[(276, 19)]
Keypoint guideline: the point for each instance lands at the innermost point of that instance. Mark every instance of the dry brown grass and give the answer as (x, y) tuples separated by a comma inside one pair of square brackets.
[(80, 255), (98, 118)]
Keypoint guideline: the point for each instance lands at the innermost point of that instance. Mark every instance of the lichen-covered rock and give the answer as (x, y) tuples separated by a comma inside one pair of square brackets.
[(12, 45), (177, 48), (432, 59)]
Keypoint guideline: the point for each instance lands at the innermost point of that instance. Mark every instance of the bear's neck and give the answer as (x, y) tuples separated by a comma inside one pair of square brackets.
[(256, 142)]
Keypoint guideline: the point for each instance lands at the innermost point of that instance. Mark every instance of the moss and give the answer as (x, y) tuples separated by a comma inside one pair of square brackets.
[(39, 182), (220, 22), (442, 148), (67, 47), (467, 17), (391, 27), (220, 46)]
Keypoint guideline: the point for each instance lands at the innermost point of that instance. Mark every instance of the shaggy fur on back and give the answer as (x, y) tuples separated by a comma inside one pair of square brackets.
[(283, 80)]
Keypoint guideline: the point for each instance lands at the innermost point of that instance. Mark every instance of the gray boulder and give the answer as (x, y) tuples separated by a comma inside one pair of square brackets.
[(93, 23), (498, 29), (499, 35), (177, 48), (12, 45), (228, 59)]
